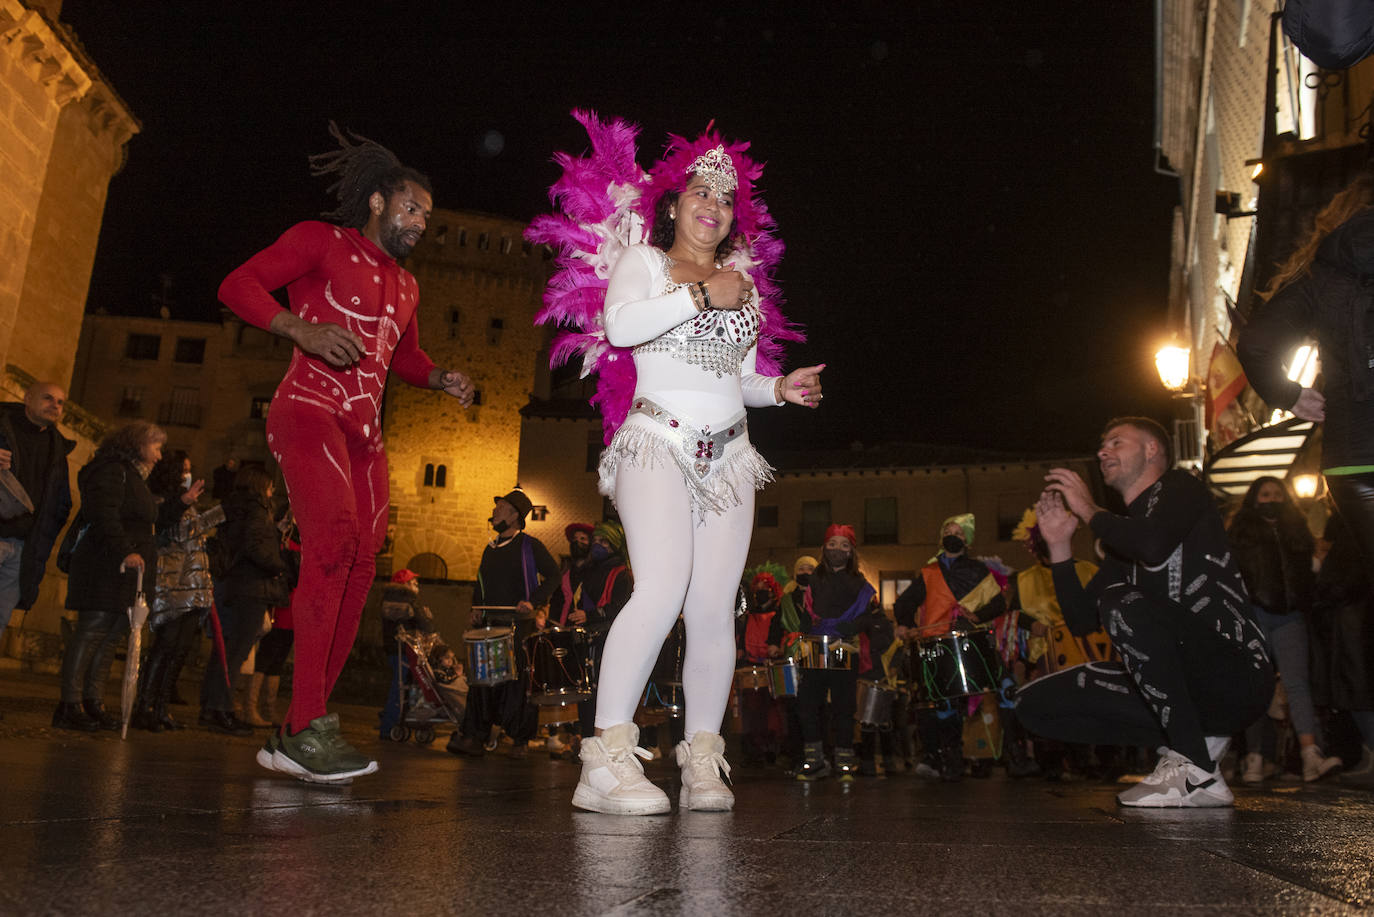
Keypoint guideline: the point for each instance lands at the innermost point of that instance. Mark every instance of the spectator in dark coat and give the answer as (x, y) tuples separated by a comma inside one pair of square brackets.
[(115, 548), (33, 450), (255, 581)]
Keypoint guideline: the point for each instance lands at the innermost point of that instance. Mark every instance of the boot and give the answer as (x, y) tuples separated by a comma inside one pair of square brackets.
[(240, 688), (148, 679), (269, 699), (96, 711), (701, 761), (162, 696), (813, 766), (1362, 774), (1252, 770), (1019, 762), (1316, 765), (952, 751), (250, 706), (72, 716), (612, 778), (846, 764)]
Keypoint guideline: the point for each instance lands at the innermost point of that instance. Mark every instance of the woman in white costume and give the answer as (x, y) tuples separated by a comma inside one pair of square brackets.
[(680, 467)]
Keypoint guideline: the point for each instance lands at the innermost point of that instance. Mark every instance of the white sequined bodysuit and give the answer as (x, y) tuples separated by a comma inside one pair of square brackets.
[(695, 376)]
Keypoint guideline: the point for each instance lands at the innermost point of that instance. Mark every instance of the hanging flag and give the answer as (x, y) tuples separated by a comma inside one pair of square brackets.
[(1225, 381)]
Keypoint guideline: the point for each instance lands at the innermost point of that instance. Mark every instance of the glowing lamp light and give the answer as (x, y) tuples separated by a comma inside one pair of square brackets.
[(1171, 361), (1305, 486)]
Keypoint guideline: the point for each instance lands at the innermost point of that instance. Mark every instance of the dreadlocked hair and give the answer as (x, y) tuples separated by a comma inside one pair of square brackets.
[(363, 167)]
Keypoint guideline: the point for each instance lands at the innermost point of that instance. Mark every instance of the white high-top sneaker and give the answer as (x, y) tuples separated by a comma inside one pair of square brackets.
[(701, 761), (613, 780), (1316, 765)]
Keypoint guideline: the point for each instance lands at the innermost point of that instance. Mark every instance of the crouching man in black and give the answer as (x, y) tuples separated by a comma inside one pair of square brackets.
[(1195, 667)]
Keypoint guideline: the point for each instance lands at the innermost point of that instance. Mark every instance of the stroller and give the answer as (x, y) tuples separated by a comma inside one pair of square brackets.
[(425, 702)]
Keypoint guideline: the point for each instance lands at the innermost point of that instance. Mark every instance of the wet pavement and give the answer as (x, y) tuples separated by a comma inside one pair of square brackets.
[(187, 823)]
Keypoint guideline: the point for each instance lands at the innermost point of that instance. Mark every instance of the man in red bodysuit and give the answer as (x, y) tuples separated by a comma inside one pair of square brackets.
[(352, 319)]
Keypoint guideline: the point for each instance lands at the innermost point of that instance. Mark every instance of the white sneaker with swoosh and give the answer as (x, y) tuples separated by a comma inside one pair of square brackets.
[(1178, 783)]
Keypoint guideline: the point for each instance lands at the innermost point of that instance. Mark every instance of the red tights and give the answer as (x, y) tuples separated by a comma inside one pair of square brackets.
[(336, 475)]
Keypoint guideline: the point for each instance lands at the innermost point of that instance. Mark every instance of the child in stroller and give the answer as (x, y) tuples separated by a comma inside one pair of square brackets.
[(437, 690)]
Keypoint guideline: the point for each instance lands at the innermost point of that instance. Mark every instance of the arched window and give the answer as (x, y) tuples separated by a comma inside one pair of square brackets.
[(441, 476), (429, 474), (428, 566)]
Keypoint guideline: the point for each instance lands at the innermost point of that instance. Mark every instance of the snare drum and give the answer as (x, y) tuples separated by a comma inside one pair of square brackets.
[(955, 665), (821, 651), (874, 707), (491, 655), (557, 659), (751, 678), (783, 677)]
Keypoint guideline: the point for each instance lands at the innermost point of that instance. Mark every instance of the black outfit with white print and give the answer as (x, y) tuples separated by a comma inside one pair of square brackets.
[(1171, 597)]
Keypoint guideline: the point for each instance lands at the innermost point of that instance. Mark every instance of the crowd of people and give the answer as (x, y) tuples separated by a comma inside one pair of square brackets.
[(1163, 651)]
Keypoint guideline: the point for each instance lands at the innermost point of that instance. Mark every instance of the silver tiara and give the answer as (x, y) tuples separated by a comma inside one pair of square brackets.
[(716, 169)]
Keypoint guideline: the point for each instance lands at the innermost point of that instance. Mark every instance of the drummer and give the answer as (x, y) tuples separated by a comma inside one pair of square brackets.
[(571, 569), (759, 639), (835, 604), (517, 571), (606, 586), (953, 588)]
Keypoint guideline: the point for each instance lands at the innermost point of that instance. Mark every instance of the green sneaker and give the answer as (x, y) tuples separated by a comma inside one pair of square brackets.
[(319, 754), (269, 748)]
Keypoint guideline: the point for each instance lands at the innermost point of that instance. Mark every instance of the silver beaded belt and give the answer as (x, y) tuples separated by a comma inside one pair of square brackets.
[(702, 445)]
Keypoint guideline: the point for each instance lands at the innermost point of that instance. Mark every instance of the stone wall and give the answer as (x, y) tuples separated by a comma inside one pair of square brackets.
[(480, 287), (62, 136)]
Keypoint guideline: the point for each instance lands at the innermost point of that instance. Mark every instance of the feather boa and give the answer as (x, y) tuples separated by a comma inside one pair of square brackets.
[(605, 204)]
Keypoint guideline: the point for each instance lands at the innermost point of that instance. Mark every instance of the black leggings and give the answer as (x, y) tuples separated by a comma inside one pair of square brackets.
[(1180, 682), (841, 685), (86, 663)]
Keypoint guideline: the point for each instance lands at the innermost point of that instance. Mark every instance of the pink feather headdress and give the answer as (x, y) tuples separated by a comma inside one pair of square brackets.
[(607, 204)]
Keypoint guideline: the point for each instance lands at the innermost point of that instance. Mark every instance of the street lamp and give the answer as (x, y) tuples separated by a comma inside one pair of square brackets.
[(1171, 361), (1305, 486)]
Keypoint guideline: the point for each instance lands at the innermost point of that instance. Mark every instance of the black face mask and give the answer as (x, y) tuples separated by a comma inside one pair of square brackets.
[(498, 527), (578, 550), (836, 559), (952, 544), (1269, 510), (762, 599), (803, 580)]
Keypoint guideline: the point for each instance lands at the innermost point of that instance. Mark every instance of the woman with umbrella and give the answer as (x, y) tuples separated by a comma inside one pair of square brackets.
[(115, 546)]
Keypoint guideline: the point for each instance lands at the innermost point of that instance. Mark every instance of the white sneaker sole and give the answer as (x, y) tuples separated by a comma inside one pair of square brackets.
[(708, 802), (1174, 801), (276, 761), (586, 797)]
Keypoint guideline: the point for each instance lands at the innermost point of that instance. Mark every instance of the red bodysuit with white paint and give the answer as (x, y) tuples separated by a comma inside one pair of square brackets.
[(323, 428)]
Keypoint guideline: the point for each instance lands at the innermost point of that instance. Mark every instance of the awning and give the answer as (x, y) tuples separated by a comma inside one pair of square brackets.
[(1269, 450)]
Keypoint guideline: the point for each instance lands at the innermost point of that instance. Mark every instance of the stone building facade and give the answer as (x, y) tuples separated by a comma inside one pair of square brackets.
[(63, 132), (480, 286), (208, 384), (63, 136)]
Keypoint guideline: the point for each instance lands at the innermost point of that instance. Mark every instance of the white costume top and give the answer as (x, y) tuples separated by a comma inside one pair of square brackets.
[(695, 375)]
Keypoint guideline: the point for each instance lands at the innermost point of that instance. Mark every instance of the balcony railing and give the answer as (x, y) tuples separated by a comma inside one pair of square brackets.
[(179, 415)]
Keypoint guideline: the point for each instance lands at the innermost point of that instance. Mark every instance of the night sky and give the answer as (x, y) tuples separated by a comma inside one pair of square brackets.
[(977, 241)]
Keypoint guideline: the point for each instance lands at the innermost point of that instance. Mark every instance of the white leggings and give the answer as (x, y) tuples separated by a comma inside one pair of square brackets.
[(679, 565)]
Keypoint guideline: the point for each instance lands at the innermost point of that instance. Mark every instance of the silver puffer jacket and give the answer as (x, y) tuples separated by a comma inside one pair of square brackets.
[(183, 569)]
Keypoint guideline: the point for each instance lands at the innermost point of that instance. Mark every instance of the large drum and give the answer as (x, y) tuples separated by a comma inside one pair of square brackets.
[(955, 665), (783, 677), (558, 665), (819, 651), (874, 706), (491, 655)]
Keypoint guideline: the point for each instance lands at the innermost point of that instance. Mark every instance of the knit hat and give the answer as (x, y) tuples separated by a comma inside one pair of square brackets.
[(844, 531), (613, 533)]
